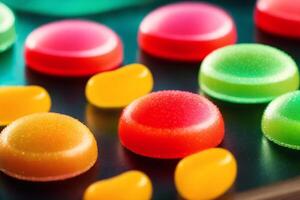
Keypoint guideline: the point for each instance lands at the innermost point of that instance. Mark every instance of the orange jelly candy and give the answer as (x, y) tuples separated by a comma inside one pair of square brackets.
[(46, 147)]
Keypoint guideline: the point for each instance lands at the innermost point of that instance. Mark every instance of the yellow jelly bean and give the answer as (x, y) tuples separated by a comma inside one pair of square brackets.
[(205, 175), (131, 185), (46, 147), (18, 101), (120, 87)]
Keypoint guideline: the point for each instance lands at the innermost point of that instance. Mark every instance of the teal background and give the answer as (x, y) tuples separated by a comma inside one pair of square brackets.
[(260, 162)]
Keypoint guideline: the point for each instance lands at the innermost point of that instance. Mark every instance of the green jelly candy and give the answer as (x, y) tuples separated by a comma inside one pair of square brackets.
[(281, 120), (70, 7), (248, 73), (7, 27)]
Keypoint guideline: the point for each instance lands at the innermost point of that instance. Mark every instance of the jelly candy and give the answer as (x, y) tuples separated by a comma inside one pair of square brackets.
[(205, 175), (178, 31), (170, 124), (279, 17), (73, 48), (7, 27), (120, 87), (46, 147), (248, 73), (131, 185), (281, 120), (18, 101)]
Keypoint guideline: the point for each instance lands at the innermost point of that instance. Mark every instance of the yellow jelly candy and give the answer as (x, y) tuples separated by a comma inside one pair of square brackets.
[(205, 175), (118, 88), (131, 185), (46, 147), (18, 101)]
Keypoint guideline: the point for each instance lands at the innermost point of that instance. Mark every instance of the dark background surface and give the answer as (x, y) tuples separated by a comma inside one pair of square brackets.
[(260, 162)]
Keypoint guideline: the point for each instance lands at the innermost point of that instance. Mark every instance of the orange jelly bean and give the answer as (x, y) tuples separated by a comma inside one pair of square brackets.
[(18, 101), (205, 175), (131, 185), (46, 147)]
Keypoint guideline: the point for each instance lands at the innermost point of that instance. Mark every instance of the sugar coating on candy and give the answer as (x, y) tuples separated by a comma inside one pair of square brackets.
[(205, 175), (170, 124), (7, 27), (131, 185), (120, 87), (279, 17), (248, 73), (281, 120), (178, 31), (73, 48), (46, 147), (18, 101)]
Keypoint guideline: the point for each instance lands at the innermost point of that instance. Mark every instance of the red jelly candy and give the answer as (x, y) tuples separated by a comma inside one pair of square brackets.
[(170, 124), (279, 17), (186, 31), (73, 48)]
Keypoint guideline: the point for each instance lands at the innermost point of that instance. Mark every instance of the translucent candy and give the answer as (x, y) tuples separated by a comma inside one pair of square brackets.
[(131, 185), (7, 27), (281, 120), (170, 124), (248, 73), (46, 147), (18, 101), (205, 175), (120, 87)]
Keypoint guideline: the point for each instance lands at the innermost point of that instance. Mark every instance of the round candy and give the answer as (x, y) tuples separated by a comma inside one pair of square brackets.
[(7, 27), (179, 32), (248, 73), (46, 147), (279, 17), (170, 124), (131, 185), (205, 175), (281, 120), (120, 87), (73, 48), (18, 101)]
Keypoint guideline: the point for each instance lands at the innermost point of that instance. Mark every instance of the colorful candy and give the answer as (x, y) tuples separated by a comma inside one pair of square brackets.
[(205, 175), (281, 120), (170, 124), (131, 185), (46, 147), (7, 27), (248, 73), (18, 101), (120, 87), (179, 32), (279, 17), (73, 48)]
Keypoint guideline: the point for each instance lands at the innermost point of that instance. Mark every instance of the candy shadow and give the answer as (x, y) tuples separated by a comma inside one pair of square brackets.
[(171, 75), (70, 189), (289, 45)]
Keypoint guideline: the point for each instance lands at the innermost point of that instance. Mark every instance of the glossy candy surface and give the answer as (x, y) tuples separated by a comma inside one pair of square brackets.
[(248, 73), (7, 27), (131, 185), (73, 48), (281, 120), (46, 147), (120, 87), (179, 32), (279, 17), (170, 124), (205, 175), (18, 101)]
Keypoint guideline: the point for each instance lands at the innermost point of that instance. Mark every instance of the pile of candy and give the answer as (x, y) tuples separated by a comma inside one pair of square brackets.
[(38, 145)]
